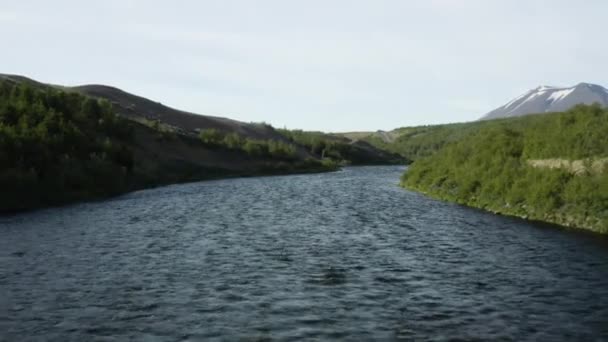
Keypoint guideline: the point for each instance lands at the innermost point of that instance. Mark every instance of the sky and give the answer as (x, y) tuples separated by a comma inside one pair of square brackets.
[(331, 65)]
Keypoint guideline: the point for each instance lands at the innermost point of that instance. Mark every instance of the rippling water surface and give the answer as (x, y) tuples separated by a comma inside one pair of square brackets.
[(346, 255)]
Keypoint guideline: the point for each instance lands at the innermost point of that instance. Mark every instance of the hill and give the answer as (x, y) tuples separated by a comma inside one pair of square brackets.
[(343, 149), (417, 142), (60, 144), (143, 110), (550, 167)]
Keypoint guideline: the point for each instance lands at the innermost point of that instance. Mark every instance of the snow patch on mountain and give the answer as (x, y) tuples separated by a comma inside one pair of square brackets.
[(558, 95), (545, 99)]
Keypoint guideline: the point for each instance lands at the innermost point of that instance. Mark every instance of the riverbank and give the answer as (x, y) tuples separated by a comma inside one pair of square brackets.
[(547, 167), (567, 221), (208, 174)]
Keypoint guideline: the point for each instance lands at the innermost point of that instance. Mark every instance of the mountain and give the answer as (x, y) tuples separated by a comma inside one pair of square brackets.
[(551, 99)]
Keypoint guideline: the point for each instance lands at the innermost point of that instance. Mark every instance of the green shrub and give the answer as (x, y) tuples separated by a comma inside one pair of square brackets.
[(489, 168), (211, 136), (57, 146)]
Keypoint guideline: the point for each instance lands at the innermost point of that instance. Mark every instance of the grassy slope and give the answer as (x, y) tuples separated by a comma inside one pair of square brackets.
[(489, 166)]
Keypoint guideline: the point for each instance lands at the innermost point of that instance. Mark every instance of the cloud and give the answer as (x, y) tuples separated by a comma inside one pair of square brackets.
[(7, 17), (312, 64)]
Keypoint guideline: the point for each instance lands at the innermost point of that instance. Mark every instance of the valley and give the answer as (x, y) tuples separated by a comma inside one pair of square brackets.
[(65, 144)]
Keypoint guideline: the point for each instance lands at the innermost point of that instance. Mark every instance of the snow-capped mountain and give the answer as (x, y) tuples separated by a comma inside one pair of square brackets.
[(551, 99)]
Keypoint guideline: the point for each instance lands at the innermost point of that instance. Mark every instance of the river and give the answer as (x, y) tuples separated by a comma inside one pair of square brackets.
[(346, 255)]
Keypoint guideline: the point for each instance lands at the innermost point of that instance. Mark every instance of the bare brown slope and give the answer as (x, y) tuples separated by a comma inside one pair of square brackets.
[(20, 79), (133, 106)]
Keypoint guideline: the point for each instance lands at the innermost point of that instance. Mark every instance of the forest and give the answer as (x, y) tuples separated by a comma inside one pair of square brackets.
[(253, 147), (58, 147), (549, 167)]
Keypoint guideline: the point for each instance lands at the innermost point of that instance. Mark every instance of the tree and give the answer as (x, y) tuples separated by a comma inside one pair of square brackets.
[(211, 136), (234, 141)]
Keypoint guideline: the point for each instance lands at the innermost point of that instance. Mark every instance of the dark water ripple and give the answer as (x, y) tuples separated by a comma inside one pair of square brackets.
[(334, 256)]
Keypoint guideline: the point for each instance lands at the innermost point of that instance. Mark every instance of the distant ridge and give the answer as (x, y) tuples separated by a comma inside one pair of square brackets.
[(545, 99)]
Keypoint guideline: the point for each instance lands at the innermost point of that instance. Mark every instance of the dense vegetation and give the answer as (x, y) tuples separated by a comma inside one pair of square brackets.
[(253, 147), (519, 167), (340, 149), (57, 147), (422, 141)]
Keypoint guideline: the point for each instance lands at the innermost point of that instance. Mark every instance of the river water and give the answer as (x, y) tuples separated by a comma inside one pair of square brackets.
[(346, 255)]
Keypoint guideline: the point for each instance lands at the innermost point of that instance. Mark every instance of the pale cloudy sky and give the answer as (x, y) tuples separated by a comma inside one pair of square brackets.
[(325, 65)]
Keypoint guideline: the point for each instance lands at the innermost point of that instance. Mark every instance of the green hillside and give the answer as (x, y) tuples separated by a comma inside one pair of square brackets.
[(341, 149), (59, 146), (551, 167), (417, 142)]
